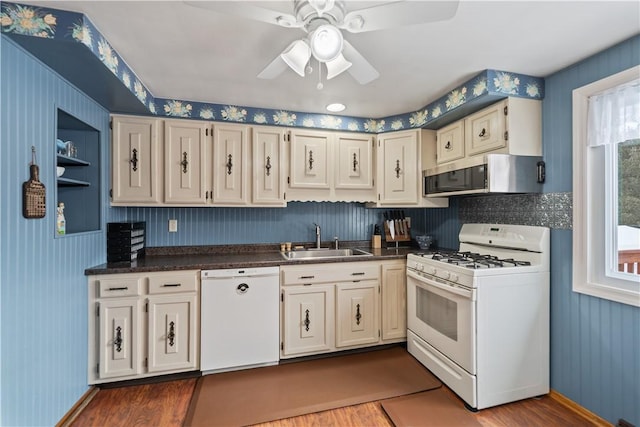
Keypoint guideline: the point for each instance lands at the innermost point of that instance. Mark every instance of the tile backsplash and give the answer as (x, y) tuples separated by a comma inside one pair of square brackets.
[(553, 210)]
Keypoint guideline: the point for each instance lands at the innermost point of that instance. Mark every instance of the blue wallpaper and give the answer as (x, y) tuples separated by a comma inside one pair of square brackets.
[(595, 343), (77, 28), (43, 291), (347, 221)]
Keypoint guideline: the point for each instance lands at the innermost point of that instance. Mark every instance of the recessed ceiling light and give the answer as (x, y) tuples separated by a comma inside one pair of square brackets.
[(336, 107)]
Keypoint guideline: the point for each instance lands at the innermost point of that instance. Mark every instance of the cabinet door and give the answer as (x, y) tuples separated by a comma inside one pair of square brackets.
[(450, 142), (268, 166), (230, 159), (484, 131), (134, 162), (357, 313), (184, 161), (119, 338), (394, 301), (398, 159), (355, 161), (309, 160), (172, 333), (308, 319)]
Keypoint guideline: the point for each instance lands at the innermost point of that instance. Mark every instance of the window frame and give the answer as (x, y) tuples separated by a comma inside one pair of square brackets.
[(592, 274)]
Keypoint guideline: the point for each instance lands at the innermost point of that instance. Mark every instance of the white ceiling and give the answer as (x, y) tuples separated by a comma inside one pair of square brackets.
[(183, 52)]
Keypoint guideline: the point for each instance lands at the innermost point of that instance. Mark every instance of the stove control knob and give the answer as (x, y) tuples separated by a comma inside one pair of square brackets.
[(454, 277)]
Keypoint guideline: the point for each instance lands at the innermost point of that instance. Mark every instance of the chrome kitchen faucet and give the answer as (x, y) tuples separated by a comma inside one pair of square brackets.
[(317, 235)]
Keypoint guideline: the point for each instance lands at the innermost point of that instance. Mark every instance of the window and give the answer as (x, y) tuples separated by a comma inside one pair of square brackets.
[(606, 188)]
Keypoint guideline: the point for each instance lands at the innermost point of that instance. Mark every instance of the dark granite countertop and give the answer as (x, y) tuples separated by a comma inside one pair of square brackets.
[(234, 256)]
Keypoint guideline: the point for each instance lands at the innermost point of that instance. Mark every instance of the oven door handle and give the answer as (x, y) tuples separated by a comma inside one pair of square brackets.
[(424, 283)]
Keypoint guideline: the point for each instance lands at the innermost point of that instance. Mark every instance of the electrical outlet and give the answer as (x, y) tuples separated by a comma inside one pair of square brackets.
[(173, 225)]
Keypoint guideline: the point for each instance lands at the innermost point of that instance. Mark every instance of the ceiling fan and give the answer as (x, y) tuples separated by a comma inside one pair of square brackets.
[(323, 21)]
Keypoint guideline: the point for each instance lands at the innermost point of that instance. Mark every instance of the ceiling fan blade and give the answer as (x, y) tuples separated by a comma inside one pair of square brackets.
[(274, 69), (397, 14), (246, 10), (360, 69)]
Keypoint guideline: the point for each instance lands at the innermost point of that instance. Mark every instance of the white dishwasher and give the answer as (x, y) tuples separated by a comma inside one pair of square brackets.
[(239, 318)]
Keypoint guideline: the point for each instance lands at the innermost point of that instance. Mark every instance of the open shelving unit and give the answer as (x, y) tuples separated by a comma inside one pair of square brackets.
[(79, 186)]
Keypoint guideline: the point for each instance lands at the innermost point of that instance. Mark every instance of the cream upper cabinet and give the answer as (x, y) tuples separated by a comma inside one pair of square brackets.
[(136, 160), (268, 166), (185, 161), (450, 142), (310, 165), (230, 164), (394, 300), (398, 167), (354, 161), (485, 130)]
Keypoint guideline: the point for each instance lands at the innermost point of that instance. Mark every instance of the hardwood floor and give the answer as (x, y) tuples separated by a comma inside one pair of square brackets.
[(166, 404)]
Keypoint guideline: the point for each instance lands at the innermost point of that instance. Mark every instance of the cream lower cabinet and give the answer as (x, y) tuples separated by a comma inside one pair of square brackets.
[(394, 300), (357, 313), (142, 324), (338, 306), (307, 319)]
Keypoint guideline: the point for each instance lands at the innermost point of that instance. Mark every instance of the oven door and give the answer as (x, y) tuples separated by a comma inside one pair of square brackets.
[(444, 316)]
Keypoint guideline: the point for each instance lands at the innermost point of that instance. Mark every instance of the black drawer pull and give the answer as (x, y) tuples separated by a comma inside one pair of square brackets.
[(172, 285), (357, 274), (119, 289), (307, 277)]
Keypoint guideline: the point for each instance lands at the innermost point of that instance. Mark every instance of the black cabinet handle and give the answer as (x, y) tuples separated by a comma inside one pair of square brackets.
[(483, 133), (358, 315), (357, 274), (229, 165), (134, 160), (307, 277), (123, 288), (118, 341), (268, 165), (355, 162), (310, 160), (447, 146), (184, 162), (172, 333), (397, 169), (172, 285), (307, 321)]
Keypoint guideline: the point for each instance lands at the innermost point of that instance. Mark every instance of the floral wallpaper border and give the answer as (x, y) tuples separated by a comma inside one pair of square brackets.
[(71, 26)]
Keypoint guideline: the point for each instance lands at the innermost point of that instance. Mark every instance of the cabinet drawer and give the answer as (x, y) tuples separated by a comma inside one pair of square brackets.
[(165, 283), (119, 287), (326, 273)]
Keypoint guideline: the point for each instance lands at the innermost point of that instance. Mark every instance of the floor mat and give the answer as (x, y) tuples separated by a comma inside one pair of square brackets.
[(265, 394), (435, 408)]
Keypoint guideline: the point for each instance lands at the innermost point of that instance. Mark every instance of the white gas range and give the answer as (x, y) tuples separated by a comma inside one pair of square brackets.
[(478, 318)]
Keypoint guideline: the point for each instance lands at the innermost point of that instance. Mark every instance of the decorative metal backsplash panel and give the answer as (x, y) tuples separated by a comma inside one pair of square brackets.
[(553, 210)]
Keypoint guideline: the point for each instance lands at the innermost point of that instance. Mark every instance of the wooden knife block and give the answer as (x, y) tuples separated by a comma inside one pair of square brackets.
[(397, 236)]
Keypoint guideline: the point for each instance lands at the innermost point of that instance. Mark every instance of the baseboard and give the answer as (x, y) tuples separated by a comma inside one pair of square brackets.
[(76, 409), (582, 411)]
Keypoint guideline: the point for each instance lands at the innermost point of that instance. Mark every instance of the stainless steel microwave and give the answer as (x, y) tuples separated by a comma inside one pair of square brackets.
[(499, 173)]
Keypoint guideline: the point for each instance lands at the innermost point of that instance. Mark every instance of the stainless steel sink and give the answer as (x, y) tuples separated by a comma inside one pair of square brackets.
[(304, 254)]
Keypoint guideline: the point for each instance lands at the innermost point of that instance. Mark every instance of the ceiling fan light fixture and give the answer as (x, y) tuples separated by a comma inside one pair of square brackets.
[(326, 43), (296, 56), (337, 66), (322, 6)]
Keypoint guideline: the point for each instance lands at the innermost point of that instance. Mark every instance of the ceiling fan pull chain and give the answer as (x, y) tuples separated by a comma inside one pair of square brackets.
[(320, 85)]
